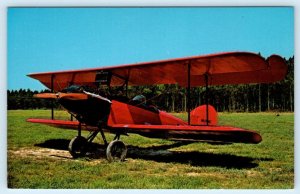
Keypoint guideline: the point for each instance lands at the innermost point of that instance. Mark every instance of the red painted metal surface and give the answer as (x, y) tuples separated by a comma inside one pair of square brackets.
[(223, 68), (60, 123), (193, 133), (199, 116), (122, 113), (70, 96), (126, 118), (216, 69)]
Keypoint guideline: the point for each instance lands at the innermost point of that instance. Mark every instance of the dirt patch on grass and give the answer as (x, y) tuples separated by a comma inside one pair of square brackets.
[(206, 174), (41, 153), (94, 156), (252, 173)]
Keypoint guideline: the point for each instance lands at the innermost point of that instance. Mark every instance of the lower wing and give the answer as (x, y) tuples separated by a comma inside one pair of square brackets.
[(61, 123), (221, 134)]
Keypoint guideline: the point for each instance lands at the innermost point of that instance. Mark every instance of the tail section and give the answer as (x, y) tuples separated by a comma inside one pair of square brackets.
[(200, 115)]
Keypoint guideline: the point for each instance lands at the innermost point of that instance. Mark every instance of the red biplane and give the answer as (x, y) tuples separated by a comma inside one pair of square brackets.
[(80, 92)]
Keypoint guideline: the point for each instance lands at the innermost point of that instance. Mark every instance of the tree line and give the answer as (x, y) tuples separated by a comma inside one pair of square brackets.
[(278, 96)]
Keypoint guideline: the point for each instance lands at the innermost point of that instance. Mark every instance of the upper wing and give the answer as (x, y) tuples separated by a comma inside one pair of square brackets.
[(223, 68)]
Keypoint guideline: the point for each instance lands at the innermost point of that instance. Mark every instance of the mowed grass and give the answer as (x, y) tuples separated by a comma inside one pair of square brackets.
[(153, 163)]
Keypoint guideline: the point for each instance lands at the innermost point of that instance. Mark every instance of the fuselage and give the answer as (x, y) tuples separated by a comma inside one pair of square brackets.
[(97, 113), (94, 111)]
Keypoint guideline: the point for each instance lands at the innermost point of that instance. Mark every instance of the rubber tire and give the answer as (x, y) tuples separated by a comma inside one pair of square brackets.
[(116, 151), (77, 146)]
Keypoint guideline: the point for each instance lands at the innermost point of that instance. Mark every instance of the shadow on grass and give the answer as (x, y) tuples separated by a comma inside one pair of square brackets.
[(162, 154), (58, 144)]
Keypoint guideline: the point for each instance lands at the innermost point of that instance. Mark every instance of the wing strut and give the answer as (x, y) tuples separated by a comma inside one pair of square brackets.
[(206, 96), (52, 101), (189, 93), (126, 87)]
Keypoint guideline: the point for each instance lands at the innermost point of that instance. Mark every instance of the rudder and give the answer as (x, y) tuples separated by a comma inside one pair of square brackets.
[(198, 116)]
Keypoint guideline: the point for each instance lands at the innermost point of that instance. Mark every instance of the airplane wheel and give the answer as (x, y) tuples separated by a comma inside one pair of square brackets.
[(77, 146), (116, 151)]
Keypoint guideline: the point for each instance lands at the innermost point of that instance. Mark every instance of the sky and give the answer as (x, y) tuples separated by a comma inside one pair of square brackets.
[(53, 39)]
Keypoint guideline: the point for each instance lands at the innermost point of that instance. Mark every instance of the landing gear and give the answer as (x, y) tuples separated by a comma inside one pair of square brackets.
[(77, 146), (116, 151)]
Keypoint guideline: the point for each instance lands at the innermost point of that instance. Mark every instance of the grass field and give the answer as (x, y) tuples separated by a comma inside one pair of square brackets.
[(38, 158)]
